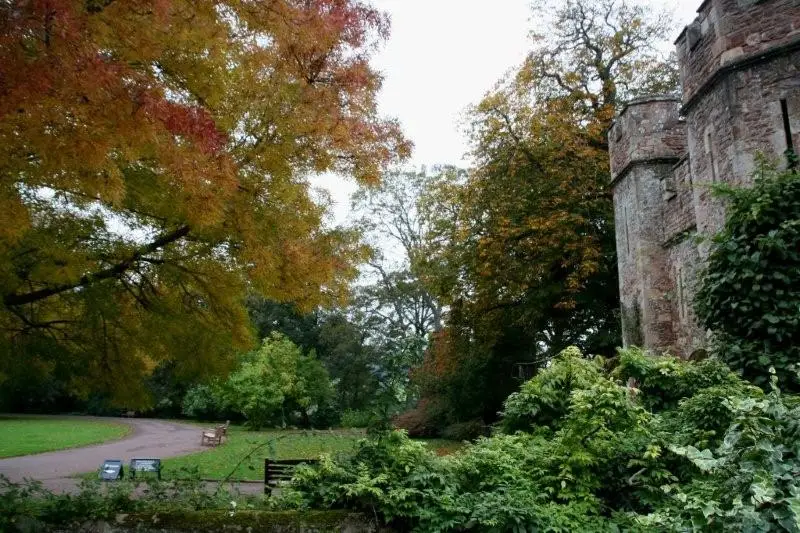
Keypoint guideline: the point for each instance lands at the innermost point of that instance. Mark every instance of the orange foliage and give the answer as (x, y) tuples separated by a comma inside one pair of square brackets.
[(154, 157)]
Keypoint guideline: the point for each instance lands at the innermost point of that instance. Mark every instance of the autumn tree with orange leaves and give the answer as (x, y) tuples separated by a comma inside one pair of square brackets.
[(154, 157)]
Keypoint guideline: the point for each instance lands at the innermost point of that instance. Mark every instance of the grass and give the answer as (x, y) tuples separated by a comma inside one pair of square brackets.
[(217, 463), (25, 436)]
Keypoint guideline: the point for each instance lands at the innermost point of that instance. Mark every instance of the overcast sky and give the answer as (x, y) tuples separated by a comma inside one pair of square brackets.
[(442, 56)]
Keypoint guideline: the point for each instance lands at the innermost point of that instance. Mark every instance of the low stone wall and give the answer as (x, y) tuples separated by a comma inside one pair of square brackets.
[(241, 521)]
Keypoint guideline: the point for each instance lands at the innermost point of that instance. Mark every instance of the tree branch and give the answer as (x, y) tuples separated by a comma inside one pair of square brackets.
[(16, 299), (520, 145), (96, 6)]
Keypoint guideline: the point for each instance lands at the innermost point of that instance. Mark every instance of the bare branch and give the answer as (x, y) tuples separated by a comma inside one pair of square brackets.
[(16, 299)]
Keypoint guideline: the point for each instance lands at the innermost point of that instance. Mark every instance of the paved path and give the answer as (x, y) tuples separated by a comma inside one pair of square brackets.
[(149, 438)]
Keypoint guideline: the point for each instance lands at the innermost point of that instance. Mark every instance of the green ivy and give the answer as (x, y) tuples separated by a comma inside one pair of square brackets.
[(749, 294), (750, 482)]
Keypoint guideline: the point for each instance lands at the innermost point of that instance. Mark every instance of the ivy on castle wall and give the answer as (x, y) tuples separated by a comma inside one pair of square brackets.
[(749, 294)]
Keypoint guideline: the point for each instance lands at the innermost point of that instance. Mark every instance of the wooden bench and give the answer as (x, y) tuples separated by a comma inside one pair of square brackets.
[(213, 437), (279, 472)]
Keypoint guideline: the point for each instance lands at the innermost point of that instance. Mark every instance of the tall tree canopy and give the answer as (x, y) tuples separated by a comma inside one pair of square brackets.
[(391, 217), (524, 250), (338, 342), (153, 164)]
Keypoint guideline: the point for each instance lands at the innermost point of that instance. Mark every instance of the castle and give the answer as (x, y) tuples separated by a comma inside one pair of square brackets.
[(740, 76)]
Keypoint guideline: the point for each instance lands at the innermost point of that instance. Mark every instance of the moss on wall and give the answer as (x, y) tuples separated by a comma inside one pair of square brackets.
[(244, 521), (632, 325)]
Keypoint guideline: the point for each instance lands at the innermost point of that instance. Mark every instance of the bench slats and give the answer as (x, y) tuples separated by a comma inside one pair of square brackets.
[(289, 462), (279, 471), (281, 475)]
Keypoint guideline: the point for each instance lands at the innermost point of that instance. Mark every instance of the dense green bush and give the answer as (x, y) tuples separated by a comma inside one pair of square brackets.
[(205, 402), (352, 418), (665, 380), (651, 444), (751, 482), (489, 490), (749, 294), (543, 400)]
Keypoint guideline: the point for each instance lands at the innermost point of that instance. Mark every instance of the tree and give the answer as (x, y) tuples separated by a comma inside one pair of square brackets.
[(153, 164), (524, 251), (275, 381), (337, 342), (537, 206), (352, 363), (269, 316), (595, 55), (390, 217), (394, 307)]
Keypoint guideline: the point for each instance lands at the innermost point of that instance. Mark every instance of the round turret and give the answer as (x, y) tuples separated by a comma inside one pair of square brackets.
[(647, 130)]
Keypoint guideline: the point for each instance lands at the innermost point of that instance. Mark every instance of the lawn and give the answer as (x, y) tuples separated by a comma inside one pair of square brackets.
[(24, 436), (217, 463)]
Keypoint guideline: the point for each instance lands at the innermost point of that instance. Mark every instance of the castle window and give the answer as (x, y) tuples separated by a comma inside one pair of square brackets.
[(617, 132), (682, 311), (791, 155), (693, 35), (668, 190), (712, 161), (627, 230)]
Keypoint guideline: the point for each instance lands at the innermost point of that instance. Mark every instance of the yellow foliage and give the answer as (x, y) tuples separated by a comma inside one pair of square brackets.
[(153, 165)]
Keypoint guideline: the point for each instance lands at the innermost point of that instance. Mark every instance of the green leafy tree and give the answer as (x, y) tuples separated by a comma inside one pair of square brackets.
[(351, 362), (270, 316), (205, 402), (275, 382), (339, 342)]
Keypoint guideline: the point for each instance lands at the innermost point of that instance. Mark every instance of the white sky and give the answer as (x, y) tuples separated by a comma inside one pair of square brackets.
[(442, 56)]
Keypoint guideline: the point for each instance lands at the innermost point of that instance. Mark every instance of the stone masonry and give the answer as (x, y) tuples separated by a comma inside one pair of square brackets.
[(740, 75)]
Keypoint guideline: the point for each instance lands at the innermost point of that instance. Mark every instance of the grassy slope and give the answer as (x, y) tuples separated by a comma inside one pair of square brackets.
[(24, 436), (216, 463)]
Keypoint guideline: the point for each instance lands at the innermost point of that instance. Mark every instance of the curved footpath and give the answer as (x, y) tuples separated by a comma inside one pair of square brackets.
[(149, 438)]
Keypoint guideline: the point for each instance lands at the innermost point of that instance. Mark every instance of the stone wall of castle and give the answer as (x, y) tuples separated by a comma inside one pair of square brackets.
[(740, 76), (646, 142)]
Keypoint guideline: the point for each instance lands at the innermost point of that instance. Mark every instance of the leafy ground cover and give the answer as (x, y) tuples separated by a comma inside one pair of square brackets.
[(24, 436), (640, 444), (219, 462)]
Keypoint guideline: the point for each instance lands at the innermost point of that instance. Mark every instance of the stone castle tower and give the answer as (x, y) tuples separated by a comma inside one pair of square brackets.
[(740, 75)]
